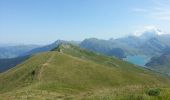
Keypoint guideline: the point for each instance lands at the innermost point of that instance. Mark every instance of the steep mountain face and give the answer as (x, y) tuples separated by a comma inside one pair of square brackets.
[(71, 72), (15, 51), (161, 63), (153, 47), (102, 46), (149, 43), (132, 41)]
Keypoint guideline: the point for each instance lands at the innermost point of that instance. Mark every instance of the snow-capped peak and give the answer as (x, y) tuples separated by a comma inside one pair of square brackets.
[(149, 31)]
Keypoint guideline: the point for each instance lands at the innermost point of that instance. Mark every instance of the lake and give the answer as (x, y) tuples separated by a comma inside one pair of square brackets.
[(140, 60)]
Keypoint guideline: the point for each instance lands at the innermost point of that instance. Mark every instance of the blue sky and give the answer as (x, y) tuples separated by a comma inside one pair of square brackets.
[(44, 21)]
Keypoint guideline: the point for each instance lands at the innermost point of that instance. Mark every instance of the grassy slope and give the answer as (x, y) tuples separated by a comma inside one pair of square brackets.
[(69, 72)]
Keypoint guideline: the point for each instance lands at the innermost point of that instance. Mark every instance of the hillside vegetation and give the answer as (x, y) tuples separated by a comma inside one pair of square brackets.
[(69, 72)]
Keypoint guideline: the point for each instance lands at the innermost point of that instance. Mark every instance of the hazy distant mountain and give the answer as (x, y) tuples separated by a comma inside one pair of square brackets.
[(15, 51), (148, 44), (6, 64), (102, 46)]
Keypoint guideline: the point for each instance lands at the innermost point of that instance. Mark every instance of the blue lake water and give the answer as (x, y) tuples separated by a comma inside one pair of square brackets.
[(140, 60)]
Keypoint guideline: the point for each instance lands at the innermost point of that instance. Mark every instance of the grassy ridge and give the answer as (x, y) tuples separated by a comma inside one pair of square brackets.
[(69, 72)]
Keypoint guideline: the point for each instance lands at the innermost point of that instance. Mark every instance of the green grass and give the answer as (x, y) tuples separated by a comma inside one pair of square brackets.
[(69, 72), (129, 93)]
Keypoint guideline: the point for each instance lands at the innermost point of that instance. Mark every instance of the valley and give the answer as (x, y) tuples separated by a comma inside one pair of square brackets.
[(140, 60)]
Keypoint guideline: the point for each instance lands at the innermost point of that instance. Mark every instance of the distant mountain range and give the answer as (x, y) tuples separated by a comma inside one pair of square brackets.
[(15, 51), (106, 47), (6, 64), (137, 49), (145, 46), (150, 43)]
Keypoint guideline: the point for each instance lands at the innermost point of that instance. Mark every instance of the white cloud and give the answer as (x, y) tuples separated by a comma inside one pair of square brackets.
[(141, 30), (159, 11), (161, 14), (149, 28)]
